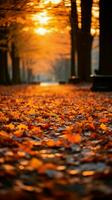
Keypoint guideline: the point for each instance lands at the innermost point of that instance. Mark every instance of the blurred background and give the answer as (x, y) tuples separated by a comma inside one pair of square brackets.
[(38, 40)]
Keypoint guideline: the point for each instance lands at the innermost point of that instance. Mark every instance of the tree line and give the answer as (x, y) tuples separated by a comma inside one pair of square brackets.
[(81, 43)]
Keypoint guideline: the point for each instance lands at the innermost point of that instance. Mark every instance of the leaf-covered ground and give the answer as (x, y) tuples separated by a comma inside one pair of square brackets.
[(55, 143)]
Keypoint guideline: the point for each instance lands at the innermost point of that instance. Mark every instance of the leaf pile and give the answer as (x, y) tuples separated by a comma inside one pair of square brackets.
[(55, 143)]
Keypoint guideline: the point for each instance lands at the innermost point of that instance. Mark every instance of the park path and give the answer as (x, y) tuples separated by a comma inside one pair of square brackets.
[(55, 143)]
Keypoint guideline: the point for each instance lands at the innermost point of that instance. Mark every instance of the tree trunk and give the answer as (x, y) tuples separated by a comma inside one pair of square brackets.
[(23, 72), (74, 27), (84, 46), (84, 41), (2, 67), (30, 75), (15, 66), (4, 74), (105, 61)]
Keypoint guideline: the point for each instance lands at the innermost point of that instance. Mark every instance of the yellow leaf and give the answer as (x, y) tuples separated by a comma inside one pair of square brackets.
[(103, 127)]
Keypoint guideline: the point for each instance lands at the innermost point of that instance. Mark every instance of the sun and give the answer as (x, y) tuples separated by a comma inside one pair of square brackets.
[(41, 31), (56, 1), (52, 1), (42, 18)]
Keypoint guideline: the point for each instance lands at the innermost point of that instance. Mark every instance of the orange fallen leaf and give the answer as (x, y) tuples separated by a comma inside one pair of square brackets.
[(103, 120), (35, 163), (47, 166), (4, 135), (9, 169), (50, 143), (74, 138), (103, 127), (18, 133)]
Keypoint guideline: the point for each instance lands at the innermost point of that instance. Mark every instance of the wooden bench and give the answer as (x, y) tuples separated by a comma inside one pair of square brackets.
[(101, 82)]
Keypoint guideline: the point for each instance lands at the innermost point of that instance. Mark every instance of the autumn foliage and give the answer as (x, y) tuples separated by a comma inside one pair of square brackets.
[(55, 142)]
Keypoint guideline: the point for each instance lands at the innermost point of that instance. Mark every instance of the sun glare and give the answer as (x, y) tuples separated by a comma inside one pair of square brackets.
[(56, 1), (52, 1), (41, 31), (42, 18)]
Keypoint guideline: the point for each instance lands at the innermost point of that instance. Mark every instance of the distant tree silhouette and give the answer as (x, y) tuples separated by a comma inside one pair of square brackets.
[(4, 74), (61, 69), (15, 65), (29, 75), (105, 61)]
